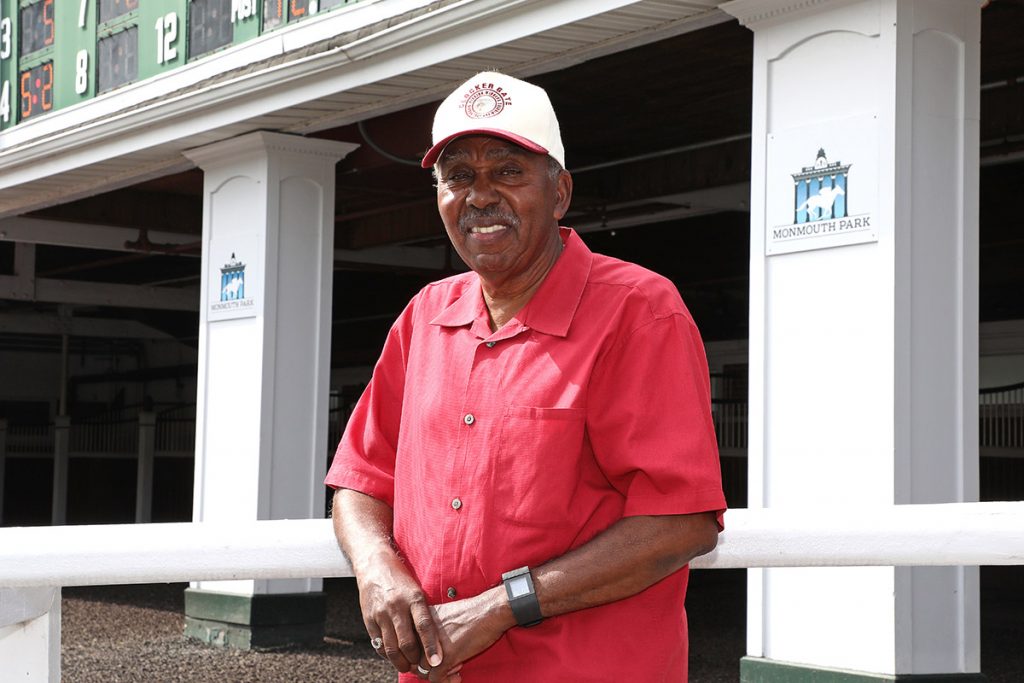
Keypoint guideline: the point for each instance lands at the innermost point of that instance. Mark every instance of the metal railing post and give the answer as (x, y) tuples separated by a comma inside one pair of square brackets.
[(144, 473), (61, 447)]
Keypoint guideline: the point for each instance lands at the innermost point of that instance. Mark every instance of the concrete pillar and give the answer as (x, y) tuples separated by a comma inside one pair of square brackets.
[(30, 634), (863, 320), (264, 356), (144, 471), (61, 447)]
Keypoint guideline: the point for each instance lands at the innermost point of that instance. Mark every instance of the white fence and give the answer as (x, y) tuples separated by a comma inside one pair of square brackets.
[(1001, 417), (35, 562)]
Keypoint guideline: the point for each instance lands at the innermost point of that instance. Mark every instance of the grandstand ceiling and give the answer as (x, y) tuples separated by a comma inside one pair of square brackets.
[(656, 135)]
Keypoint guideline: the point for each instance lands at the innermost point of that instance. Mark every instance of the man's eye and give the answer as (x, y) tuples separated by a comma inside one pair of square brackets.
[(510, 171), (456, 178)]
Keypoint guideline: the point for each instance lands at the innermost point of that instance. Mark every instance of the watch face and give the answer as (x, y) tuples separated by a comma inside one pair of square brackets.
[(519, 586)]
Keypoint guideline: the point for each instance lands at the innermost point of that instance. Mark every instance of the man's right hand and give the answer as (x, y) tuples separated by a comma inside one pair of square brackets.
[(395, 610), (392, 602)]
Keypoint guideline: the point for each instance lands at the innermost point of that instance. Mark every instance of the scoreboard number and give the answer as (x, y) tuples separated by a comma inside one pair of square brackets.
[(242, 10), (37, 90), (82, 72), (5, 38), (166, 34), (5, 102)]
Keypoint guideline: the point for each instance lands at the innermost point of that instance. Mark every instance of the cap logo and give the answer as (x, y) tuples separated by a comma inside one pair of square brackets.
[(483, 101)]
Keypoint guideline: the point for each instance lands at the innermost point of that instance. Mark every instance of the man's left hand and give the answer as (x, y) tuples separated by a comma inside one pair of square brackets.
[(467, 628)]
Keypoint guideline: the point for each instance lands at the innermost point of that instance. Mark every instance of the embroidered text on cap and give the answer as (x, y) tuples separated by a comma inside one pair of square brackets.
[(484, 101)]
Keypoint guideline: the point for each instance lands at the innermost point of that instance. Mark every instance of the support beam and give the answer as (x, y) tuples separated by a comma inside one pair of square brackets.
[(90, 236), (863, 320), (98, 294), (49, 324), (264, 368), (30, 634)]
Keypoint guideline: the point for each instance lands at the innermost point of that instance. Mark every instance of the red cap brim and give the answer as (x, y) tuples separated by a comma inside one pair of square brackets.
[(434, 152)]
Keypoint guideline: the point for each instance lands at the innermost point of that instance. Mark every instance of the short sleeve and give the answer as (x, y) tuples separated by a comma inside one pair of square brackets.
[(649, 420), (365, 459)]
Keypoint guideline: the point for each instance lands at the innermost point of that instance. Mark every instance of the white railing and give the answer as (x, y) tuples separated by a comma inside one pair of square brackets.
[(36, 561), (901, 535)]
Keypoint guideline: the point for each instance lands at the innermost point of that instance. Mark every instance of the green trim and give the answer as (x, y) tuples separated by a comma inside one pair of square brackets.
[(256, 610), (759, 670), (249, 622)]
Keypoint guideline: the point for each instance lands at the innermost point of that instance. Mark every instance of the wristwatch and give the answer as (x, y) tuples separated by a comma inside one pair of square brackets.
[(521, 596)]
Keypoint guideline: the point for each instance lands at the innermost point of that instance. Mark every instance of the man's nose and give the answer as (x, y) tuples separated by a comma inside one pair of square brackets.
[(481, 192)]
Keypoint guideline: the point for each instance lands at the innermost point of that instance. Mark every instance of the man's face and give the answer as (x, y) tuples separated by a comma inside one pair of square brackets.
[(500, 206)]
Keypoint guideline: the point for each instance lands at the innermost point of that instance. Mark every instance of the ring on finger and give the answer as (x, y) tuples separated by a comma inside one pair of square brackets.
[(375, 643), (423, 672)]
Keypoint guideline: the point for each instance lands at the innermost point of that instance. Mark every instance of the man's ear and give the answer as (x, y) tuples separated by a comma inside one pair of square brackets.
[(563, 194)]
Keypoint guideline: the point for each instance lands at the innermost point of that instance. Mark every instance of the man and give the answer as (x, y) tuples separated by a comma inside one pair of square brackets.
[(533, 465)]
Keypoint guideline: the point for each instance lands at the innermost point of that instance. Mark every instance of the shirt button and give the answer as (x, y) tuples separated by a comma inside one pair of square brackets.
[(451, 592), (469, 419), (490, 345), (456, 504)]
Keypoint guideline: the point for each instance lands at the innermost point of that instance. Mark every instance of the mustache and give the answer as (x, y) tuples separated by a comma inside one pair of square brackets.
[(475, 217)]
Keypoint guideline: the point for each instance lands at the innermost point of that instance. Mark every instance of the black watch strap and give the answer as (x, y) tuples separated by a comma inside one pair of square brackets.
[(521, 596)]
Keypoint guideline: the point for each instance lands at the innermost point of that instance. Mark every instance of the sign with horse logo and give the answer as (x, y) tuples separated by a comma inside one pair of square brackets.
[(810, 205)]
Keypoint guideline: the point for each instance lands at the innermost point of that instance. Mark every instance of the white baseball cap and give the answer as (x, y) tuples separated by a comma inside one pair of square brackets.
[(491, 103)]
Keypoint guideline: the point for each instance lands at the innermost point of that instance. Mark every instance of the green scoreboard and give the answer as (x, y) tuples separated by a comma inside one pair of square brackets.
[(56, 53)]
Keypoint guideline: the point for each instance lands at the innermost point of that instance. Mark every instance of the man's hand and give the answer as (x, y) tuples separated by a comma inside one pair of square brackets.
[(392, 602), (395, 610), (467, 628)]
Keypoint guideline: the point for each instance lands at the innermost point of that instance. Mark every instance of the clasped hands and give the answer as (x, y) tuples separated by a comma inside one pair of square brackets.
[(431, 641)]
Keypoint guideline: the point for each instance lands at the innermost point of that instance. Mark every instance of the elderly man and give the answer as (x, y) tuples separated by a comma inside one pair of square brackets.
[(533, 465)]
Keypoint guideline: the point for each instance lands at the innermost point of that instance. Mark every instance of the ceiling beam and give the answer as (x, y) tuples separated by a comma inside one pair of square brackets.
[(91, 236), (52, 324), (20, 288), (129, 208), (419, 258)]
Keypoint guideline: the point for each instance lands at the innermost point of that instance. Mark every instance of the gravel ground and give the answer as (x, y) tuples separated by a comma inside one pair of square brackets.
[(114, 634)]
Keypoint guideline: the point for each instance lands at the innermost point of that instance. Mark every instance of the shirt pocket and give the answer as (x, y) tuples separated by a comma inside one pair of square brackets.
[(538, 466)]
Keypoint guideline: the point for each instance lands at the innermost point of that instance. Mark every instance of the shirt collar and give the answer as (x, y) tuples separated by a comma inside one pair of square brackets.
[(552, 307)]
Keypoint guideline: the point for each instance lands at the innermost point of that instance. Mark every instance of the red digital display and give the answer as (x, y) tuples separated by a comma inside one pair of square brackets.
[(297, 8), (37, 30), (36, 90), (273, 13)]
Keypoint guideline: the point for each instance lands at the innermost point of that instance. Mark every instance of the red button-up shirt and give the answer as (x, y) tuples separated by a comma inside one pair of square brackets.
[(503, 449)]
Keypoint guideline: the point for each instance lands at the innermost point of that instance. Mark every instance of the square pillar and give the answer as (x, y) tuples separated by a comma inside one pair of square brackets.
[(144, 468), (30, 634), (863, 320), (264, 356), (61, 465)]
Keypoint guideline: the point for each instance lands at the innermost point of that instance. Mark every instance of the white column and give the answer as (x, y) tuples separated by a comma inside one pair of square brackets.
[(30, 634), (61, 447), (863, 316), (144, 470), (264, 339)]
